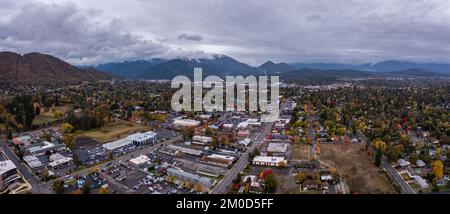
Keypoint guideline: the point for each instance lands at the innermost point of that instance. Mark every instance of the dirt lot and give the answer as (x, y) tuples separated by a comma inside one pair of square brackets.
[(300, 151), (367, 178), (114, 131)]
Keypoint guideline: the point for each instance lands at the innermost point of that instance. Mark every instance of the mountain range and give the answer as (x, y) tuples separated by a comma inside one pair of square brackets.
[(384, 66), (220, 65), (223, 65), (43, 69)]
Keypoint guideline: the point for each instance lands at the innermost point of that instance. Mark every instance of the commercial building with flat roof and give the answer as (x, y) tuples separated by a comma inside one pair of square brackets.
[(59, 161), (8, 174), (45, 146), (137, 139), (186, 176), (246, 142), (121, 143), (137, 161), (186, 122), (218, 160), (144, 138), (277, 147), (32, 161), (201, 140), (268, 160), (184, 150)]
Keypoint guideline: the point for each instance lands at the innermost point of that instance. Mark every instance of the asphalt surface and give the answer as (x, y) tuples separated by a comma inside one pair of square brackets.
[(224, 185), (125, 157), (38, 187), (392, 172), (341, 186)]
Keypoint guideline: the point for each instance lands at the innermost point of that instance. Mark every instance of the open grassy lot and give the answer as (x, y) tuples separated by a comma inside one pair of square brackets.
[(300, 152), (367, 178), (115, 131), (49, 116), (42, 120)]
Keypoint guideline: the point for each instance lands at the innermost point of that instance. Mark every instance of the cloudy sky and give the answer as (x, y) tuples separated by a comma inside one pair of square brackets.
[(88, 32)]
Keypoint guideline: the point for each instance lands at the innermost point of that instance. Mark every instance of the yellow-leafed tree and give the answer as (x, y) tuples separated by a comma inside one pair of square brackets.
[(438, 169), (380, 145)]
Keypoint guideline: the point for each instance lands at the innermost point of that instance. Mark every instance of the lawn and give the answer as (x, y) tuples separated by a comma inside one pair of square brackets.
[(367, 179), (43, 119), (114, 131), (300, 151)]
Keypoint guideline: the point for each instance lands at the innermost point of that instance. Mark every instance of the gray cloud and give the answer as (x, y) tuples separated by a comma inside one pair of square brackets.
[(250, 30), (192, 37), (73, 34)]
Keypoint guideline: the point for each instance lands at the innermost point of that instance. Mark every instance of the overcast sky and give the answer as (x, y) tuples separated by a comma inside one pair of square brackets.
[(88, 32)]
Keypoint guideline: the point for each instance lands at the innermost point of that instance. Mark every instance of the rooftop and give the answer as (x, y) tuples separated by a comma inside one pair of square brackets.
[(6, 166), (140, 160), (268, 159), (277, 147)]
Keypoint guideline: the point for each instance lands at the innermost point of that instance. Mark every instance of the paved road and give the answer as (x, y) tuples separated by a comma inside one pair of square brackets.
[(397, 178), (311, 134), (224, 185), (392, 172), (38, 187), (342, 185)]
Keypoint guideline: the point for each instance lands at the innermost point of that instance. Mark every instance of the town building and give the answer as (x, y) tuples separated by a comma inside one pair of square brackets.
[(59, 161), (140, 160), (32, 161), (137, 139), (268, 160), (146, 138), (44, 147), (24, 140), (243, 133), (193, 178), (277, 147), (218, 160), (245, 142), (186, 123), (8, 174), (174, 150), (201, 140)]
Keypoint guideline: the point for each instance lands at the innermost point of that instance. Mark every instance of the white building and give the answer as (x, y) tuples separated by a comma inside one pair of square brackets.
[(246, 142), (45, 146), (59, 161), (8, 174), (227, 126), (32, 161), (202, 140), (421, 182), (121, 143), (140, 139), (137, 139), (253, 122), (142, 159), (205, 116), (403, 163), (186, 122), (242, 125), (268, 160)]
